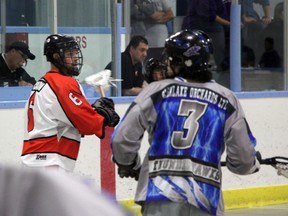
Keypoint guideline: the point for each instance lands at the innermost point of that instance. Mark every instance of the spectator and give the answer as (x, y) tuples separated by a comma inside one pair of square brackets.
[(131, 66), (209, 16), (138, 14), (247, 57), (151, 17), (12, 62), (253, 23), (275, 30), (270, 58), (181, 172)]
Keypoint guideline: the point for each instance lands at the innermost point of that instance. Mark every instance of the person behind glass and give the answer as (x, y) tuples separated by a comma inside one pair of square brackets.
[(253, 23), (275, 30), (12, 62), (270, 57), (152, 16), (155, 70), (176, 113), (57, 112), (211, 17), (131, 66)]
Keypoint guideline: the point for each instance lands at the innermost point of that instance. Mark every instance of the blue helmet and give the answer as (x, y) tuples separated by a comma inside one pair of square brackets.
[(190, 51)]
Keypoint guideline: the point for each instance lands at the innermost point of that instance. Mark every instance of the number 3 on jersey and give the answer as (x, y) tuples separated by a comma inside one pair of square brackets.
[(30, 112), (193, 110)]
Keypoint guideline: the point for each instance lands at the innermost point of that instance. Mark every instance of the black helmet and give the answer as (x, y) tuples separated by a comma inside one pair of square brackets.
[(190, 51), (60, 44), (151, 65)]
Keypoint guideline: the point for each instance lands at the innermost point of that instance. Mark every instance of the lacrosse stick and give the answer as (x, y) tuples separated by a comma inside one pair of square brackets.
[(279, 163), (101, 81)]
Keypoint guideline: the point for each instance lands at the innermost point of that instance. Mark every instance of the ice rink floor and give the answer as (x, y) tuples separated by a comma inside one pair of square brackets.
[(274, 210)]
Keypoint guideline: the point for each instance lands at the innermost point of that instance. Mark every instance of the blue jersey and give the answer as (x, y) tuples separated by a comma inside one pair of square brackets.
[(189, 127)]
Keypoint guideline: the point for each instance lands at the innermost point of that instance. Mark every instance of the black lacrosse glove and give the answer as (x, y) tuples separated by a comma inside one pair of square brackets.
[(133, 170), (257, 166), (105, 107), (111, 118), (258, 156), (103, 102)]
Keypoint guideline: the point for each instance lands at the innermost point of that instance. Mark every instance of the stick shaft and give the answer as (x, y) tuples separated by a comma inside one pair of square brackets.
[(268, 161), (107, 167), (101, 91)]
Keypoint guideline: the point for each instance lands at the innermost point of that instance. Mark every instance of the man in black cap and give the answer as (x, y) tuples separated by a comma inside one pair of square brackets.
[(12, 61)]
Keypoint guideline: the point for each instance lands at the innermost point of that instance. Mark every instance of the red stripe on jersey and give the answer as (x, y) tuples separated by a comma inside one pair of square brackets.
[(41, 145), (65, 147), (69, 147)]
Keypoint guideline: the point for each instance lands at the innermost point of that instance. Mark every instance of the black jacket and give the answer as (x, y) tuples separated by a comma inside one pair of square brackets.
[(8, 78)]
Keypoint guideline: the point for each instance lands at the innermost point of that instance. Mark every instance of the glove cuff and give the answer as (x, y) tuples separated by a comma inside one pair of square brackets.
[(136, 164), (255, 168)]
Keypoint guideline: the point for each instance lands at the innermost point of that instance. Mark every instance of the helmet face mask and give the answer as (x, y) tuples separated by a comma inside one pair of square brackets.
[(65, 53), (154, 70), (188, 52)]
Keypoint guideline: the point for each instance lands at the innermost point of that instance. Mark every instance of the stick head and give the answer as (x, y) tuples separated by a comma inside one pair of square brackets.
[(279, 163), (99, 79), (282, 169)]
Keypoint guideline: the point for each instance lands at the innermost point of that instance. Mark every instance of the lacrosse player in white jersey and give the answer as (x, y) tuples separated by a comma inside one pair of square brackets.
[(190, 120), (57, 112)]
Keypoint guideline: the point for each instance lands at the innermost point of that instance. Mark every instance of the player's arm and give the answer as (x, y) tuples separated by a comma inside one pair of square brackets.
[(79, 113), (126, 140), (131, 170), (105, 107), (240, 145), (132, 91), (241, 154)]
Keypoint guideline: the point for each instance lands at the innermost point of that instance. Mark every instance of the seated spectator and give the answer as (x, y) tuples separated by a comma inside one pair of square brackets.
[(275, 30), (12, 72), (247, 57), (270, 58), (131, 66), (253, 23)]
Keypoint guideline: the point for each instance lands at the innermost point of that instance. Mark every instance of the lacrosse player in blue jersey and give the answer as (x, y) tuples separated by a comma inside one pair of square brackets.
[(191, 120)]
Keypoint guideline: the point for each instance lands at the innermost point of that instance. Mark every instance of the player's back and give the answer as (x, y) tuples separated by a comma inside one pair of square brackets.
[(187, 138), (191, 118)]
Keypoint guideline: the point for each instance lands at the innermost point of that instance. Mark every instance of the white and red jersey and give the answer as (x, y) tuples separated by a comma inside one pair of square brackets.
[(57, 114)]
